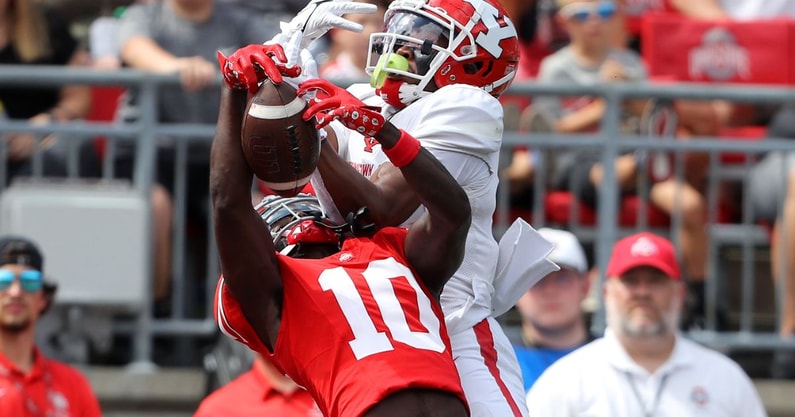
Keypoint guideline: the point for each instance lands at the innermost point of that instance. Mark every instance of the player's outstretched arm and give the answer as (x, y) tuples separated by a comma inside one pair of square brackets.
[(388, 197), (248, 257), (435, 243)]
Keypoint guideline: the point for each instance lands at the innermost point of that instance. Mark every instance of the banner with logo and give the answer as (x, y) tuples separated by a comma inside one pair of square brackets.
[(682, 49)]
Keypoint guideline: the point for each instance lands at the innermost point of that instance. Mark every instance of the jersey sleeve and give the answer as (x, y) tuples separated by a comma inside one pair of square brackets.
[(232, 321), (461, 118)]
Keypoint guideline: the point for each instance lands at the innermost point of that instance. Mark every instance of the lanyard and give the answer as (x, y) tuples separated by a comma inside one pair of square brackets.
[(30, 404), (647, 412)]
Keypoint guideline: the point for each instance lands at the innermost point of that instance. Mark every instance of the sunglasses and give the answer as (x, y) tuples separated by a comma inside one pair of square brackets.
[(30, 280), (581, 12)]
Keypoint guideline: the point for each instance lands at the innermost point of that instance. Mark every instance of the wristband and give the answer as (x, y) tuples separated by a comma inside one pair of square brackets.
[(404, 151)]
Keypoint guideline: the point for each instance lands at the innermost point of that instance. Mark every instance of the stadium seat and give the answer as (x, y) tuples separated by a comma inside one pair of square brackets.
[(104, 102), (558, 210)]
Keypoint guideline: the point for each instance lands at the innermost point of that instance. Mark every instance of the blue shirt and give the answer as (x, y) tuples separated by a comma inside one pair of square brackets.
[(534, 360)]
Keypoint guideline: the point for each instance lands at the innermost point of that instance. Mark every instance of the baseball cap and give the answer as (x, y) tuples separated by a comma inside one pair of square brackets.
[(17, 250), (20, 251), (643, 249), (568, 252)]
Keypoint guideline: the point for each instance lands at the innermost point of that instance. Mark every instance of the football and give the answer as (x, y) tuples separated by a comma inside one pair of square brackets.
[(280, 147)]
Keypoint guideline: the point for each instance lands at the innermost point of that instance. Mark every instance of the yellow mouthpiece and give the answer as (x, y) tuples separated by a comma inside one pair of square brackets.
[(390, 61)]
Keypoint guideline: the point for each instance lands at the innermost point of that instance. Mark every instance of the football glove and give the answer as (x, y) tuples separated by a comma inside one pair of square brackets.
[(335, 103), (246, 67), (321, 15)]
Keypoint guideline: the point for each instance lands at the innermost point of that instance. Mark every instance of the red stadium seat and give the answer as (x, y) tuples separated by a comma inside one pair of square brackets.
[(558, 210), (104, 102)]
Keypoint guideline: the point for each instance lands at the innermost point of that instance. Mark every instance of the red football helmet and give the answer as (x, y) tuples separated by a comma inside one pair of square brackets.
[(297, 220), (455, 42)]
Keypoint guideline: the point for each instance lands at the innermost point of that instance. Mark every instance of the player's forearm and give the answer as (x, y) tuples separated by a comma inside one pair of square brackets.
[(248, 258), (436, 242), (435, 187), (230, 175), (389, 201)]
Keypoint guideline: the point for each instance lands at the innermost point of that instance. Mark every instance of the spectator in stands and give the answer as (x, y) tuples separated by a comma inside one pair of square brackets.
[(181, 37), (772, 193), (262, 391), (643, 366), (553, 323), (347, 53), (33, 35), (31, 384), (587, 60)]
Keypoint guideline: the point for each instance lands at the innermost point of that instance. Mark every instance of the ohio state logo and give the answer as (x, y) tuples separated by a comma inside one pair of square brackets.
[(643, 248), (719, 58)]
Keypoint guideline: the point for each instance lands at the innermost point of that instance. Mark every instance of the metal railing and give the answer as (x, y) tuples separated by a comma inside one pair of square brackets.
[(609, 142)]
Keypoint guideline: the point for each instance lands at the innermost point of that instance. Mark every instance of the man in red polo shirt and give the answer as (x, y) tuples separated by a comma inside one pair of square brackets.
[(32, 385), (262, 391)]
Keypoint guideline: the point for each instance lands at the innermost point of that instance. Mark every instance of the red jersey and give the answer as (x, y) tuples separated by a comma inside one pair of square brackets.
[(50, 388), (355, 326)]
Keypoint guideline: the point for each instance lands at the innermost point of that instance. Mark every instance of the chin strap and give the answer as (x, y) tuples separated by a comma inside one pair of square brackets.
[(400, 94), (506, 79)]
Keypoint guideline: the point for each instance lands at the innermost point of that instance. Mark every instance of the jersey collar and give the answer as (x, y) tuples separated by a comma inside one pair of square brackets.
[(617, 356), (8, 368)]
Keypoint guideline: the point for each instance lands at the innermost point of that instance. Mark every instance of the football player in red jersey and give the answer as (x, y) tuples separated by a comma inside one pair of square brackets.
[(437, 69), (356, 322)]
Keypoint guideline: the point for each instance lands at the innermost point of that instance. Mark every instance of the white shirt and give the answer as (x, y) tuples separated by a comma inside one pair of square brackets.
[(597, 380), (758, 9), (462, 126)]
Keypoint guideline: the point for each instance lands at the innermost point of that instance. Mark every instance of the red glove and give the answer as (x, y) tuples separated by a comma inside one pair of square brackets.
[(249, 65), (332, 102)]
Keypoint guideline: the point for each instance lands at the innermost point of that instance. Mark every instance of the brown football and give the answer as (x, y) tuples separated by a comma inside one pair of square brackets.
[(280, 147)]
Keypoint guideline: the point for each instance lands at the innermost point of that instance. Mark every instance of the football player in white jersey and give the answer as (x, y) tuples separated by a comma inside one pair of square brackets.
[(436, 72)]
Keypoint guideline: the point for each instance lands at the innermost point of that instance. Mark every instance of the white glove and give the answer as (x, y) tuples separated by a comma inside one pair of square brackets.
[(297, 56), (321, 15)]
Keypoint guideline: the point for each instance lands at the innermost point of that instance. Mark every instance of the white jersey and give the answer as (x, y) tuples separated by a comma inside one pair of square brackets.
[(462, 126), (601, 380)]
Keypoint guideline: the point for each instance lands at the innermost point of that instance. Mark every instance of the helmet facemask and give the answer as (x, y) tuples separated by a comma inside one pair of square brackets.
[(426, 37), (295, 221)]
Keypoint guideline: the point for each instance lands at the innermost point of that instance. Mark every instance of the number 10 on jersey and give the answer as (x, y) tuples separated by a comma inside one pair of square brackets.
[(382, 278)]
